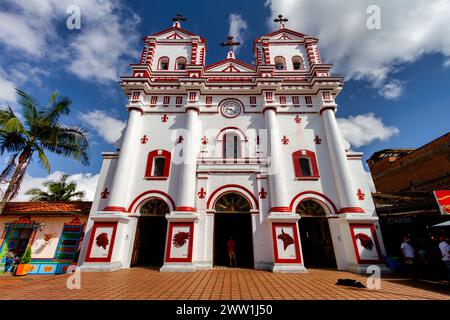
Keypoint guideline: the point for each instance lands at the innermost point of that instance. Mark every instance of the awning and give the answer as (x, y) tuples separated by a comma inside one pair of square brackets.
[(443, 224)]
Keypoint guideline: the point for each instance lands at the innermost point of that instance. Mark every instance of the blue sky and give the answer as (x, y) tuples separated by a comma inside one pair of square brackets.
[(396, 92)]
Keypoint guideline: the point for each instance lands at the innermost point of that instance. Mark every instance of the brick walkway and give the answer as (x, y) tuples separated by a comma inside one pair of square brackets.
[(141, 283)]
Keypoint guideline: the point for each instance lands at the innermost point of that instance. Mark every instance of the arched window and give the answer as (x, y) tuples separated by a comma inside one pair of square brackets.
[(158, 165), (280, 63), (231, 146), (297, 63), (180, 64), (305, 165), (163, 63)]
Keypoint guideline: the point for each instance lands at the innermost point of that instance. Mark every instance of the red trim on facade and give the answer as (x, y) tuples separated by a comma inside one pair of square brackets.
[(351, 210), (169, 241), (235, 186), (92, 239), (189, 209), (280, 209), (327, 108), (148, 192), (150, 159), (269, 108), (314, 193), (311, 156), (296, 243), (136, 109), (355, 245), (115, 208)]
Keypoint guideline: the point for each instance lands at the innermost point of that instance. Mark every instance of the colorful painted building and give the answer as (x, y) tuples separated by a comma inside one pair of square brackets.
[(235, 150), (54, 230)]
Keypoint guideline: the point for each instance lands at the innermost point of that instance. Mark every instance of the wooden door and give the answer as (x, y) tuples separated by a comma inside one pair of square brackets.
[(137, 245)]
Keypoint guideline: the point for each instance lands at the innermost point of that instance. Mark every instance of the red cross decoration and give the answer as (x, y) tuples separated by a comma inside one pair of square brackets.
[(164, 118), (204, 140), (298, 119), (202, 193), (317, 140), (104, 194), (144, 139), (285, 140), (180, 139), (262, 193), (360, 194)]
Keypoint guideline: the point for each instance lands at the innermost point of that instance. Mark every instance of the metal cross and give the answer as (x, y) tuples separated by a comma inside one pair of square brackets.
[(230, 43), (178, 18), (280, 20)]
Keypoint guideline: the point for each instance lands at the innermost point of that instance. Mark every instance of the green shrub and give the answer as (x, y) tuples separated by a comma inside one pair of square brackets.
[(26, 258)]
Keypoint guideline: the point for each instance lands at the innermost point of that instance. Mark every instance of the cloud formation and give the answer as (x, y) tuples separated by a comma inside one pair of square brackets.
[(409, 30), (237, 27), (363, 129), (107, 127)]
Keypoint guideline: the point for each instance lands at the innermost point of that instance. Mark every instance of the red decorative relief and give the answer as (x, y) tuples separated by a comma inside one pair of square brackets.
[(286, 238), (144, 139), (285, 140), (298, 119), (180, 139), (360, 194), (202, 193), (366, 242), (102, 240), (263, 193), (317, 140), (180, 239), (204, 140), (104, 194), (164, 118)]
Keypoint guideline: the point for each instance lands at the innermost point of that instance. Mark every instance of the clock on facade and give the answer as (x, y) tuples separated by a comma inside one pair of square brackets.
[(230, 108)]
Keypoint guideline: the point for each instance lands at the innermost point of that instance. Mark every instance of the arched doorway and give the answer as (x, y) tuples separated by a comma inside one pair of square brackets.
[(150, 239), (233, 219), (315, 235)]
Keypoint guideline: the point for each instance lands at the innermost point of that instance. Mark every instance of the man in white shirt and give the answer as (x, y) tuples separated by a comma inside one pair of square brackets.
[(445, 251), (408, 254)]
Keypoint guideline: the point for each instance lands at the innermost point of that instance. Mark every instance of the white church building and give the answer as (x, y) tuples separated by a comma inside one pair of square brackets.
[(232, 149)]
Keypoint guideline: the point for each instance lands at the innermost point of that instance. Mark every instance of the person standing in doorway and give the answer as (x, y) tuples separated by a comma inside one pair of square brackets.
[(444, 246), (9, 261), (231, 246), (408, 254)]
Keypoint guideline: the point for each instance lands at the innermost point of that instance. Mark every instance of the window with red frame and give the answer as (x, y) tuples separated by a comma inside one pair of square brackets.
[(308, 100), (166, 101), (253, 101), (283, 101), (326, 95), (208, 101), (295, 101), (153, 100), (179, 101), (192, 96), (305, 164), (269, 96), (158, 164), (231, 146)]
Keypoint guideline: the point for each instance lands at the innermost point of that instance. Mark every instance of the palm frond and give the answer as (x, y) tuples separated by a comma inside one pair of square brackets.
[(70, 151), (57, 107), (9, 170), (43, 160), (29, 108), (12, 142)]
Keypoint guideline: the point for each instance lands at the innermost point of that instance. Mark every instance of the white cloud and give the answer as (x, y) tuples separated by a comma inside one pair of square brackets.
[(409, 29), (363, 129), (107, 127), (446, 63), (86, 182), (237, 27), (7, 91), (392, 90), (99, 51)]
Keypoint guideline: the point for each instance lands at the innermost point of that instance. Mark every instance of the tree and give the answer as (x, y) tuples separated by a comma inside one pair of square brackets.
[(37, 130), (60, 190)]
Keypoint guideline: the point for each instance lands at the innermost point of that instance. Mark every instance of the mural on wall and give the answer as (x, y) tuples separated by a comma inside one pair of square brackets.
[(286, 246), (102, 241), (180, 242), (365, 243)]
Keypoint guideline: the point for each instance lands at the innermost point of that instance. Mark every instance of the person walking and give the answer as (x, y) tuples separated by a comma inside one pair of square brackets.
[(444, 246), (231, 246), (408, 254)]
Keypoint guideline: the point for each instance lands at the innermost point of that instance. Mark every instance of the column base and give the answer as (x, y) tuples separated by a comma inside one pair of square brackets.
[(178, 267), (362, 268), (100, 267), (288, 268)]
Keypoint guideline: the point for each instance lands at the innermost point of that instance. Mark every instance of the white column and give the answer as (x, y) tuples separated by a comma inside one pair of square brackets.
[(121, 182), (191, 143), (277, 180), (342, 174)]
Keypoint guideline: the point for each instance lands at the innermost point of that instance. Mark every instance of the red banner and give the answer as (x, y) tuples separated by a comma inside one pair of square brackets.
[(443, 200)]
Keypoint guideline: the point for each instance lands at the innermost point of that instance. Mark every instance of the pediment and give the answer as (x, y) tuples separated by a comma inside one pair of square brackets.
[(230, 66)]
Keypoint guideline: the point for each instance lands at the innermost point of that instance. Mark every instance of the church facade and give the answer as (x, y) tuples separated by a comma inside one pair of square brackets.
[(232, 150)]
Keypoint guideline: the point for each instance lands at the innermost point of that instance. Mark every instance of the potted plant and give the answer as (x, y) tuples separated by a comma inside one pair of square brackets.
[(3, 255), (24, 266)]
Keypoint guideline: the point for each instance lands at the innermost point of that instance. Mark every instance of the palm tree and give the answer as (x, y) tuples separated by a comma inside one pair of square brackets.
[(57, 191), (36, 131)]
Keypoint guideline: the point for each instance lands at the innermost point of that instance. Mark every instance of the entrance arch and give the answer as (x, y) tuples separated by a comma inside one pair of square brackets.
[(233, 219), (315, 235), (151, 232)]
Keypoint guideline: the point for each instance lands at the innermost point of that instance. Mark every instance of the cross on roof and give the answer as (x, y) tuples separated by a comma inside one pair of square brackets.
[(280, 20), (230, 43), (176, 20)]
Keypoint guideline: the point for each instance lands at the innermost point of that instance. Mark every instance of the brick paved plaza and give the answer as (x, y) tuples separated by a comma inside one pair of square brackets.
[(218, 284)]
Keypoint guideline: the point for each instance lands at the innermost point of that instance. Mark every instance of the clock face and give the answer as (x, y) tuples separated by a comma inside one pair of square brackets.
[(231, 109)]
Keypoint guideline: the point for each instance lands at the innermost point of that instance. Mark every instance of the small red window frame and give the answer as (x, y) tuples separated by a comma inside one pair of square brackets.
[(312, 160), (150, 160)]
